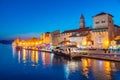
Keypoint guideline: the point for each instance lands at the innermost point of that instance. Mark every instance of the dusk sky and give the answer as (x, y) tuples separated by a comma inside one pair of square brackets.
[(32, 17)]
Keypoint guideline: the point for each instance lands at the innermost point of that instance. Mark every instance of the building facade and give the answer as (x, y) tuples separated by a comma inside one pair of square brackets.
[(104, 30), (100, 36), (46, 38), (103, 35), (55, 37), (82, 37)]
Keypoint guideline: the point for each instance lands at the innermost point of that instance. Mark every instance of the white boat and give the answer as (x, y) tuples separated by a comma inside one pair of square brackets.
[(66, 49)]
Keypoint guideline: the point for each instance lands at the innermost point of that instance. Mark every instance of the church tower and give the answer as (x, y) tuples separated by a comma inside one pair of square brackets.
[(82, 22)]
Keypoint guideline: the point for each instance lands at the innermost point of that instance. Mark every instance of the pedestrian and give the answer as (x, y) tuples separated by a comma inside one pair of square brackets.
[(69, 51), (105, 50), (108, 50)]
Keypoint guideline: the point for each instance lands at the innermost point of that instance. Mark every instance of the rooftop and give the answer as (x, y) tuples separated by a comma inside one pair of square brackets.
[(77, 30), (69, 31), (117, 26), (84, 29), (102, 13), (81, 32), (99, 29)]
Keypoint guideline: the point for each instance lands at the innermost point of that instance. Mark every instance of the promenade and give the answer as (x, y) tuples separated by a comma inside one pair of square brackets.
[(98, 54), (94, 54)]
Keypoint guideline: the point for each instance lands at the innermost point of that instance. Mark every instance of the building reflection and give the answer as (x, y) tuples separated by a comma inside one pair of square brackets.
[(85, 67), (107, 69), (99, 68), (91, 69), (95, 68), (33, 57), (73, 65), (19, 56), (24, 55), (14, 51), (47, 58)]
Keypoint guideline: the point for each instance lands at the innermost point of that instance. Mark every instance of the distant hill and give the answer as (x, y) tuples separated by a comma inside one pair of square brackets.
[(6, 41)]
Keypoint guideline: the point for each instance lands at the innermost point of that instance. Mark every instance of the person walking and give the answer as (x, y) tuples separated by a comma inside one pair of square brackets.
[(69, 51)]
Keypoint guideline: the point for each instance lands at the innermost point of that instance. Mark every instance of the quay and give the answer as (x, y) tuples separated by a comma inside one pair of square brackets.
[(107, 57), (100, 55)]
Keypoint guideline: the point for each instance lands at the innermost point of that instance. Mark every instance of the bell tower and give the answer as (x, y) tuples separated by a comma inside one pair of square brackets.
[(82, 22)]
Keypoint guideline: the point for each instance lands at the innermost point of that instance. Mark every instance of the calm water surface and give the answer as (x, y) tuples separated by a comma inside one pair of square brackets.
[(34, 65)]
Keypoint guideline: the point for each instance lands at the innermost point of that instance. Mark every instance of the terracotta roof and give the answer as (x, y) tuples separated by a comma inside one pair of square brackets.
[(81, 32), (99, 29), (69, 31), (117, 26), (102, 13), (77, 30), (84, 29)]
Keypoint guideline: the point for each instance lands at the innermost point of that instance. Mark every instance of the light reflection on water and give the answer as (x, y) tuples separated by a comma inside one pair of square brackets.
[(48, 65)]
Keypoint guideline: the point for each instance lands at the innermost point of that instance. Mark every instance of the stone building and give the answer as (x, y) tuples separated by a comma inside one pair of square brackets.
[(46, 38), (67, 37), (116, 30), (104, 30), (55, 37), (100, 36), (82, 37)]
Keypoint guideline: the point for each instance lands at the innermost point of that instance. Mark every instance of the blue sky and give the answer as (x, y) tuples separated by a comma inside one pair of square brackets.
[(32, 17)]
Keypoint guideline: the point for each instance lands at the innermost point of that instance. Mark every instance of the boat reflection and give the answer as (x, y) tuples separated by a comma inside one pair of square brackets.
[(89, 69)]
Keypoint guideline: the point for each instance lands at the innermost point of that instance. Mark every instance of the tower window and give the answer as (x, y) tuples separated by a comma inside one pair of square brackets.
[(97, 22), (109, 21), (103, 22), (64, 39)]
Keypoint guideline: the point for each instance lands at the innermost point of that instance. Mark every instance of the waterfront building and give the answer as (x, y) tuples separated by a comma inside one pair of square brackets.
[(104, 30), (16, 41), (100, 36), (71, 37), (82, 37), (65, 36), (104, 34), (46, 38), (115, 44), (55, 37), (33, 42)]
